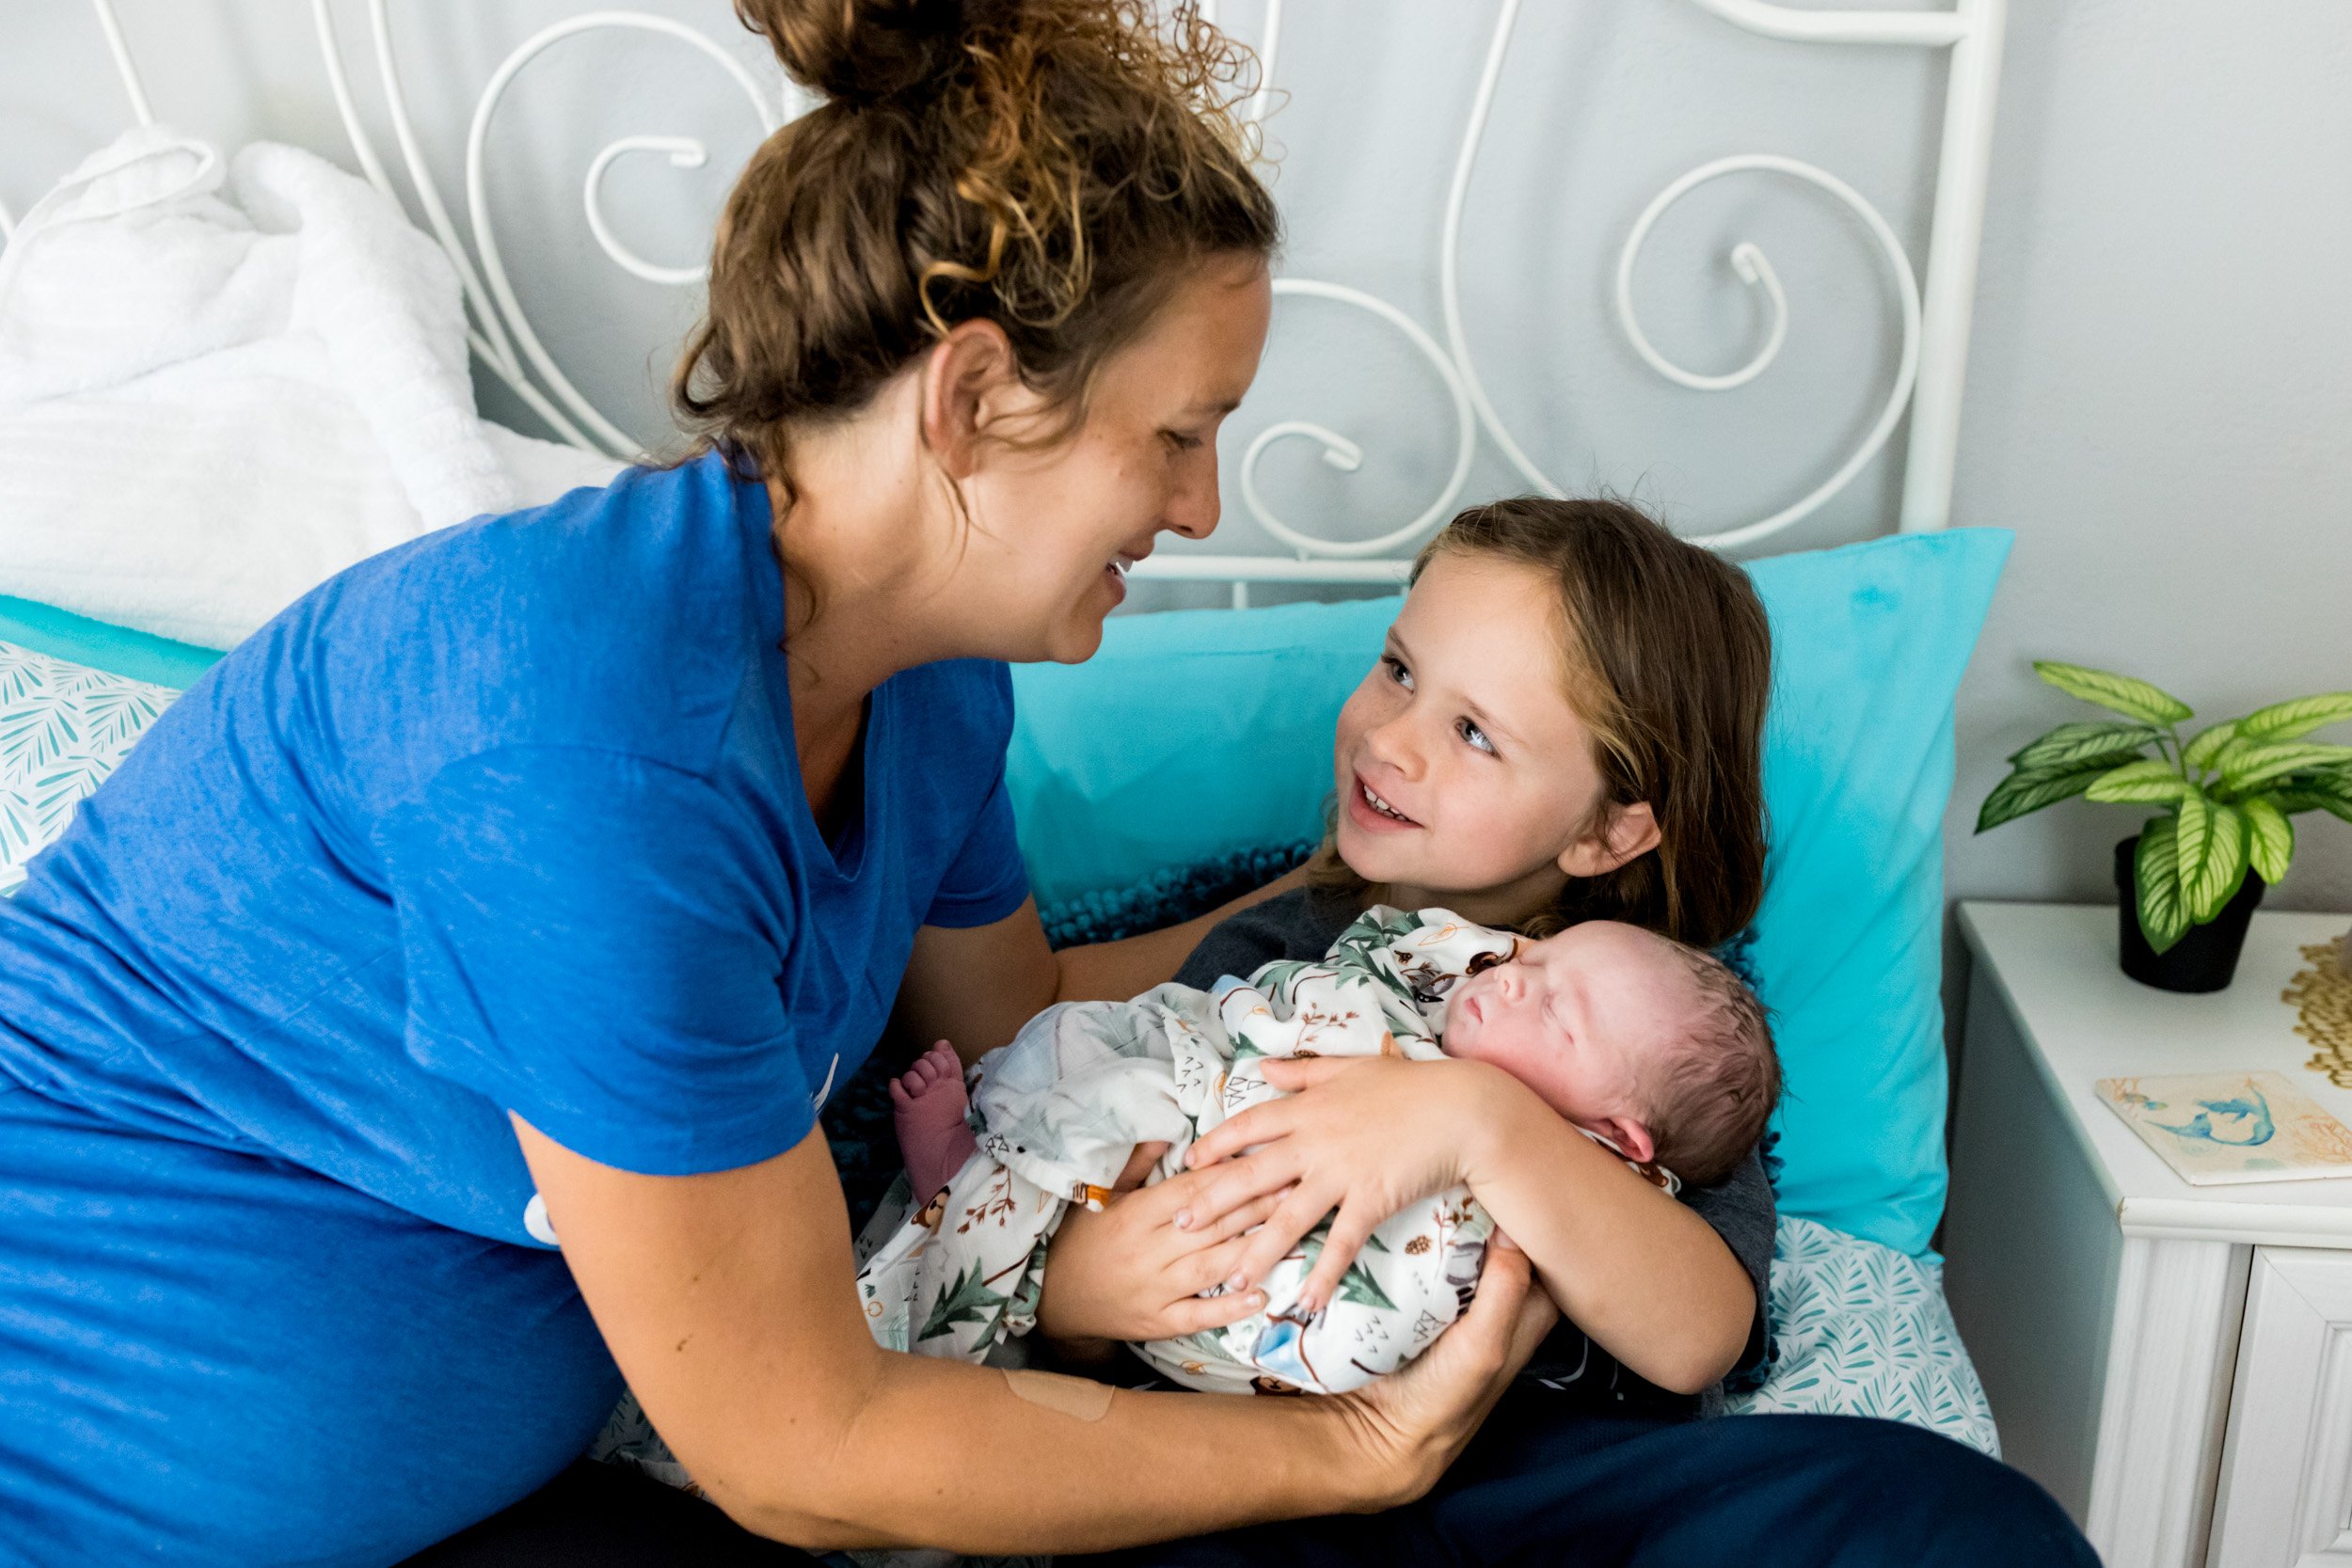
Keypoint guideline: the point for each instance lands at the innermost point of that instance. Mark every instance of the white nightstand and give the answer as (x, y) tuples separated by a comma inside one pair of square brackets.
[(2174, 1363)]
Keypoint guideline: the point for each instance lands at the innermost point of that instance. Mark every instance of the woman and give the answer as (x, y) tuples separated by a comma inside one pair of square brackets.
[(539, 880)]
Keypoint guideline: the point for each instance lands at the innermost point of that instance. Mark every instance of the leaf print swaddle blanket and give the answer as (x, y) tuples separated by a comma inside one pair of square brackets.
[(1059, 1111)]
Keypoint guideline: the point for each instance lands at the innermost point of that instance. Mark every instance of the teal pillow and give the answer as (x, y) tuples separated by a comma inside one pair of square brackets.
[(1868, 646), (1194, 733), (1202, 733), (117, 650)]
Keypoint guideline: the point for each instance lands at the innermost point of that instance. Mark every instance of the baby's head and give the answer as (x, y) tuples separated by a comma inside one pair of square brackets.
[(1656, 1046)]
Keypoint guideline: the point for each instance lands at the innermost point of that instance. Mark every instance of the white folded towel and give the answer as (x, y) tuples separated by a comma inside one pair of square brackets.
[(222, 381)]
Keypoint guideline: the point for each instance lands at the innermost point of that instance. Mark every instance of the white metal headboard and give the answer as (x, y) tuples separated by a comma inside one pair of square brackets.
[(1931, 361)]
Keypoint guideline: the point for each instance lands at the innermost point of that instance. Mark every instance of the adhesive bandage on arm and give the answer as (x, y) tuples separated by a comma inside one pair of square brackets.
[(1072, 1396)]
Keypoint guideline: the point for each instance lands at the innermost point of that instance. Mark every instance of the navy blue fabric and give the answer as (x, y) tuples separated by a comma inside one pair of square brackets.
[(1541, 1485), (607, 1516), (509, 819)]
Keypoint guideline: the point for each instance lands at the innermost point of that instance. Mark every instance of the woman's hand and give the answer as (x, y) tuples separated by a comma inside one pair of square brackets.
[(1364, 1135), (1132, 1272), (1413, 1423)]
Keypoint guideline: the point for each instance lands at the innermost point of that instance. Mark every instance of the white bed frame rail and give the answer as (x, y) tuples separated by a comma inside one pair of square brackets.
[(1930, 366)]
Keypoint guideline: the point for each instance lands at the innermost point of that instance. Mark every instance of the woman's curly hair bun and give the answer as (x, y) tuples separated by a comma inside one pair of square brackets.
[(858, 51), (1050, 165)]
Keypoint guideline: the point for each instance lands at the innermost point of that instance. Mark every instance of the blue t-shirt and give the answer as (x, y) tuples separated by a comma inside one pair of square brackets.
[(507, 818)]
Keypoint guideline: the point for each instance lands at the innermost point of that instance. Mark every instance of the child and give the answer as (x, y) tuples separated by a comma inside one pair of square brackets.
[(1565, 725), (1651, 1048)]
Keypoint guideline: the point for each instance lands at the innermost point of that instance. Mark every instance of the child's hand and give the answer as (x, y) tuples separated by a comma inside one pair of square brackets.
[(1364, 1135), (1131, 1273)]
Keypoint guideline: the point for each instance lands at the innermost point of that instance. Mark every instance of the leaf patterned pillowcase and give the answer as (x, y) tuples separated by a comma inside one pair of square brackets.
[(1861, 1329), (63, 726)]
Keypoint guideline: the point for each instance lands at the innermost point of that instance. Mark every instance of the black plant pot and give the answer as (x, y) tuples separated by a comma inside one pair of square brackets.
[(2205, 958)]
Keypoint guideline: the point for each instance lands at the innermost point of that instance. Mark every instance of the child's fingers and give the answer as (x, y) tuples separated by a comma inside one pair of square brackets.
[(1221, 1263), (1294, 1073), (1350, 1228), (1259, 1124), (1223, 1188), (1299, 1211), (1196, 1313), (1205, 1270), (1248, 1216)]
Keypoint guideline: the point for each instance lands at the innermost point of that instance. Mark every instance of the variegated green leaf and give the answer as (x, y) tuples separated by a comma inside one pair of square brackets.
[(2269, 839), (2149, 781), (2247, 767), (2210, 846), (2296, 719), (2207, 746), (2022, 792), (2320, 792), (2086, 745), (2192, 824), (2133, 699), (2155, 875)]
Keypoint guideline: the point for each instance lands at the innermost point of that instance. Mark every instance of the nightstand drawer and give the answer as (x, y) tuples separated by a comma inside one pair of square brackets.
[(2286, 1468)]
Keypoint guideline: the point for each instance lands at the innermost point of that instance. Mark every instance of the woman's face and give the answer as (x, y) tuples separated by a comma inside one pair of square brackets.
[(1463, 774), (1055, 528)]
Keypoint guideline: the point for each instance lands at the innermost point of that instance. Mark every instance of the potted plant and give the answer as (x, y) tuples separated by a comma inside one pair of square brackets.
[(2197, 868)]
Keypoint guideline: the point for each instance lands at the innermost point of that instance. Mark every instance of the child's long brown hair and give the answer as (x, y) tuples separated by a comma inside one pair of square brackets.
[(1050, 165), (1668, 662)]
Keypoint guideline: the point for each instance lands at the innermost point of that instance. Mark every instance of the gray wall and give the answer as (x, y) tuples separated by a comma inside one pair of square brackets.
[(2159, 401)]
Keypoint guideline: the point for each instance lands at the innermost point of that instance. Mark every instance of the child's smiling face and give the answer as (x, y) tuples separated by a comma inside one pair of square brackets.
[(1465, 778)]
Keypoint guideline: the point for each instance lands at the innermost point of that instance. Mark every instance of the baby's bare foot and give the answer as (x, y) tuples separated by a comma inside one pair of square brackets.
[(928, 1103)]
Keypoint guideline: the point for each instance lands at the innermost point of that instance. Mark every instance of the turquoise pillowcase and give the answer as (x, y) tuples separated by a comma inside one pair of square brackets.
[(117, 650), (1869, 643), (1200, 733), (1194, 733)]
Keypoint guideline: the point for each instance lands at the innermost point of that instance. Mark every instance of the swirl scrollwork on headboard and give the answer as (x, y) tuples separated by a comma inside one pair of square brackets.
[(1934, 302), (1754, 268), (500, 331), (1933, 347)]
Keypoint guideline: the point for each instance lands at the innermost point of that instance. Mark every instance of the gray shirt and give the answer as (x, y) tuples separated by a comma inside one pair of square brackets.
[(1303, 924)]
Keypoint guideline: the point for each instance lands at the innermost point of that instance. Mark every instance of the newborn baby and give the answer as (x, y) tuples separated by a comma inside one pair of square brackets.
[(1651, 1048)]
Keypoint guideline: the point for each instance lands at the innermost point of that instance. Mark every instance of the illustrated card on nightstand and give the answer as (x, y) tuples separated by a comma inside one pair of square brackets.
[(2214, 1127)]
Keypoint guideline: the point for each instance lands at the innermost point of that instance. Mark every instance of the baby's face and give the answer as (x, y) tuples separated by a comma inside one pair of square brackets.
[(1572, 1017)]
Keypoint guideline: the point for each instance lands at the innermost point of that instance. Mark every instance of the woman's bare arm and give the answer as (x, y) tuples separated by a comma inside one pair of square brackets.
[(978, 986), (728, 1302), (1114, 971)]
